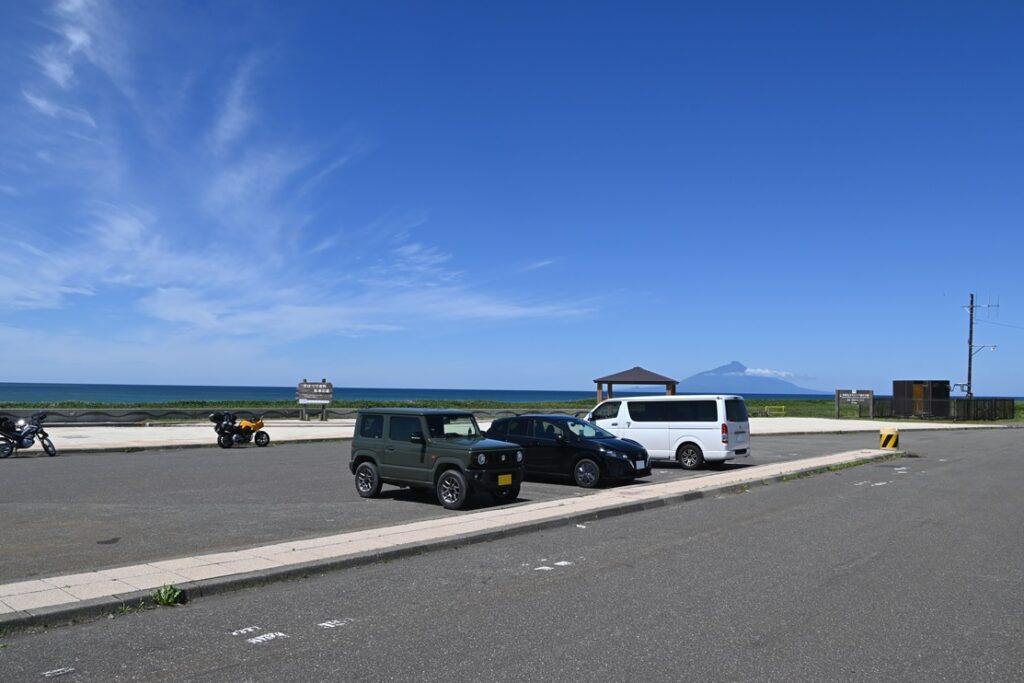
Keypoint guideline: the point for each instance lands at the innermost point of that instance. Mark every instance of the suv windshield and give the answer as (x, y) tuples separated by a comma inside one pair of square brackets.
[(445, 426), (587, 430)]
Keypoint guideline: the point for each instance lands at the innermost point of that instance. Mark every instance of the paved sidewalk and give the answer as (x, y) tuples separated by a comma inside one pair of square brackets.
[(87, 438), (59, 599)]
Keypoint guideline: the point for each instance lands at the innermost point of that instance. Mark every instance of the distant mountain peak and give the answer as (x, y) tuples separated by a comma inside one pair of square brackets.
[(737, 378), (733, 368)]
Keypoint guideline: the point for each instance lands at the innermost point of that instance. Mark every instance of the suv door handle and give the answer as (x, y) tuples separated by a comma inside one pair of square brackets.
[(614, 424), (390, 448)]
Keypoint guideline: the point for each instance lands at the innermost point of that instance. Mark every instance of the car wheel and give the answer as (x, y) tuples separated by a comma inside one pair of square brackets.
[(262, 438), (6, 449), (689, 456), (225, 441), (48, 446), (368, 481), (452, 489), (586, 473), (506, 495)]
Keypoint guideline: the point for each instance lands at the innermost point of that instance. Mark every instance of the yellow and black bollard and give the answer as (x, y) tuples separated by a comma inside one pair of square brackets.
[(889, 438)]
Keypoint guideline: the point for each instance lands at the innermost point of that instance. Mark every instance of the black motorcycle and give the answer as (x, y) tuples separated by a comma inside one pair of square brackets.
[(15, 436), (230, 431)]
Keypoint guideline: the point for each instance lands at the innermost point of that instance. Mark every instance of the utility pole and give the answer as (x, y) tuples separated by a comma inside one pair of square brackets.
[(971, 348)]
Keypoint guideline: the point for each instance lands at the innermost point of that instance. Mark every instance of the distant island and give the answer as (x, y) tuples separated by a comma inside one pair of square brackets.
[(736, 378)]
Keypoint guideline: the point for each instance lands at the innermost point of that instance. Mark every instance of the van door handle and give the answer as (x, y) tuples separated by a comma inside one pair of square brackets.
[(614, 424)]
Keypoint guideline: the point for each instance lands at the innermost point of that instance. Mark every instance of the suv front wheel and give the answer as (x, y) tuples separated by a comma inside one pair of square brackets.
[(452, 489), (367, 480)]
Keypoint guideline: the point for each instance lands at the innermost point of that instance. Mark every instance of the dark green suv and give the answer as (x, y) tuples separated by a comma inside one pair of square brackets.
[(442, 450)]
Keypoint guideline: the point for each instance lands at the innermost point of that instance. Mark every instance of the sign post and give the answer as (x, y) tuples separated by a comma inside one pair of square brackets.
[(856, 397), (314, 393)]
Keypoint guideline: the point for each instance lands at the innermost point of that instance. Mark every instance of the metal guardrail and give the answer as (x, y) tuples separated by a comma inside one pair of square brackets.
[(139, 416)]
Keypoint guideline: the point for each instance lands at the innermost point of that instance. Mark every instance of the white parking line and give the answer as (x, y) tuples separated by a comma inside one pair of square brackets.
[(59, 672)]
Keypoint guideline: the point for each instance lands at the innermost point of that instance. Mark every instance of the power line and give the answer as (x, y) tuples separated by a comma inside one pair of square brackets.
[(993, 322)]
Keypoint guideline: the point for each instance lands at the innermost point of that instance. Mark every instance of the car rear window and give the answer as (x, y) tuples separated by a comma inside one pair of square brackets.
[(736, 410), (519, 426)]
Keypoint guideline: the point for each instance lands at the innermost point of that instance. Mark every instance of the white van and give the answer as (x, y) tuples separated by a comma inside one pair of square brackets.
[(691, 430)]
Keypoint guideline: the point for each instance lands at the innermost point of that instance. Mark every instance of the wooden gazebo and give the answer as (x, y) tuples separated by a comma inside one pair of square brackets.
[(635, 376)]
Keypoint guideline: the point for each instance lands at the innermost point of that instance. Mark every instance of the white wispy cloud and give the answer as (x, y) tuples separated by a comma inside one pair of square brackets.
[(766, 372), (45, 106), (229, 251), (539, 264), (236, 111)]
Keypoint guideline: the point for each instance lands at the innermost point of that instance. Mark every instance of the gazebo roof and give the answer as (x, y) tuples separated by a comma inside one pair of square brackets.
[(637, 375)]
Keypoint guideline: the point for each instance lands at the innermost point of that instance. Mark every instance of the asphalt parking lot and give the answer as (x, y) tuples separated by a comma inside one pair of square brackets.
[(866, 574), (93, 511)]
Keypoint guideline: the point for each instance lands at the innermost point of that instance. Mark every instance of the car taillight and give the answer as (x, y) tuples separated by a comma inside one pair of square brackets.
[(725, 433)]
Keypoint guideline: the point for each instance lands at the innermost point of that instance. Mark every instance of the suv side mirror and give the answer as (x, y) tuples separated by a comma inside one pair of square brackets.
[(416, 437)]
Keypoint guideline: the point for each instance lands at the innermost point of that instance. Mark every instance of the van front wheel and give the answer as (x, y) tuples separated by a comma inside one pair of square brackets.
[(689, 456)]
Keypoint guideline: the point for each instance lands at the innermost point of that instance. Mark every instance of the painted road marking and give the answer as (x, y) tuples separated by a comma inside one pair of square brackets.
[(267, 637), (542, 568), (247, 629), (881, 483), (59, 672), (335, 623), (563, 563)]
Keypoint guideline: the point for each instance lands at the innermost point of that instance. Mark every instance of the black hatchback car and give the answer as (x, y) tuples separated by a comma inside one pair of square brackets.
[(559, 445)]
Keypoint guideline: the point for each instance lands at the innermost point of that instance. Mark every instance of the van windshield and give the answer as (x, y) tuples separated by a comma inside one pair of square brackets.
[(735, 410)]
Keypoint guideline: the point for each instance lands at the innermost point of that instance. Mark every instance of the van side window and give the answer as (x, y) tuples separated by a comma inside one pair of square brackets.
[(606, 411), (372, 427), (401, 428), (694, 411), (649, 411)]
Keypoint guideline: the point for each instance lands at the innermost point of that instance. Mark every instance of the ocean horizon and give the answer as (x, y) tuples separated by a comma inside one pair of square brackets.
[(38, 392)]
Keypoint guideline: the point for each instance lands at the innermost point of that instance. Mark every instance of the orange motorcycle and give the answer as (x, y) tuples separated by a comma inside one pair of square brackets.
[(230, 431)]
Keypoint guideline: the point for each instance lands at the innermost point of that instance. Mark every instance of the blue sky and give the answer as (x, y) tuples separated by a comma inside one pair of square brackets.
[(520, 195)]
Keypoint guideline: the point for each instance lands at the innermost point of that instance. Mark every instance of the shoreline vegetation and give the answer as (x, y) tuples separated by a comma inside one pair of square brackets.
[(775, 407)]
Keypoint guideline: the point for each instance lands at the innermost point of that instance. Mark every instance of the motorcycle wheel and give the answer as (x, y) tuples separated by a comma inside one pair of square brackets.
[(262, 438), (48, 446), (6, 449), (225, 441)]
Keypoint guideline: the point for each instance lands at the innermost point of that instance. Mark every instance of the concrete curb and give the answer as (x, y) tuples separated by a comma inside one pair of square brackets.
[(181, 446), (100, 607)]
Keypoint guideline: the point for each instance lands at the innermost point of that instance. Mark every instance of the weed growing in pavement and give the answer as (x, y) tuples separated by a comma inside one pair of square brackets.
[(128, 608), (167, 595)]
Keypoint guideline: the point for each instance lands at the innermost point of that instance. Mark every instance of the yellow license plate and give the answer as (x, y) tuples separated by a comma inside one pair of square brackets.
[(504, 480)]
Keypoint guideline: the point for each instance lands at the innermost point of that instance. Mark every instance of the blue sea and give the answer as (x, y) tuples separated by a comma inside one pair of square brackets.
[(11, 392)]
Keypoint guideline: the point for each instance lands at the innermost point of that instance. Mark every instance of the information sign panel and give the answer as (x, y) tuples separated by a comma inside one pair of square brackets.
[(315, 392)]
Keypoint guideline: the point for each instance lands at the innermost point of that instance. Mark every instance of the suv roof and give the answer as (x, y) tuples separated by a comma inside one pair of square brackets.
[(415, 411)]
